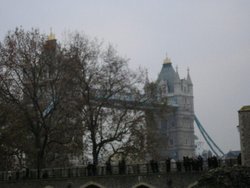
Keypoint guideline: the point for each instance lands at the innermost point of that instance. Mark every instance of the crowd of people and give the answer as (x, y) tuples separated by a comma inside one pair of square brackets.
[(188, 164), (213, 162)]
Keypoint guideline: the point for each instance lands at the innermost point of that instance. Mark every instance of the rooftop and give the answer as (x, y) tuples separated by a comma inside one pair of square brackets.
[(245, 108)]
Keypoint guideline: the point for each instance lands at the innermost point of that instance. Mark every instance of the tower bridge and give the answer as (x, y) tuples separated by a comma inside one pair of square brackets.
[(176, 124)]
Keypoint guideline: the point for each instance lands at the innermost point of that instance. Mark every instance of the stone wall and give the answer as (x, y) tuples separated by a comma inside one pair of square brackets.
[(167, 180), (244, 129)]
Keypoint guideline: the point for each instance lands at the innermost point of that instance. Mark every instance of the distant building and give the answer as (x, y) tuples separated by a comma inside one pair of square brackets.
[(177, 125), (232, 155), (244, 129)]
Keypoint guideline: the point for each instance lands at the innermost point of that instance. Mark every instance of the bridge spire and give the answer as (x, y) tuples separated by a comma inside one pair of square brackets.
[(51, 35), (188, 77), (177, 77), (167, 60), (147, 80)]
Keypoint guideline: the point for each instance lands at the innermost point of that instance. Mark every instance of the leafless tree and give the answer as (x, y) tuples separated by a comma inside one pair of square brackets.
[(110, 98), (78, 97), (33, 80)]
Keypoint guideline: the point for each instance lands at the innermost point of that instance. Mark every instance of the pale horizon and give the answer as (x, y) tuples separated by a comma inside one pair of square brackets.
[(209, 37)]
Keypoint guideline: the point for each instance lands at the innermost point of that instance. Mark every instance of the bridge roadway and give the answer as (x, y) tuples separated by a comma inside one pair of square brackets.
[(126, 101), (140, 103), (150, 175)]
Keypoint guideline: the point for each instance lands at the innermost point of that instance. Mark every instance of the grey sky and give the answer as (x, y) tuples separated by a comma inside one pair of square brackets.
[(211, 37)]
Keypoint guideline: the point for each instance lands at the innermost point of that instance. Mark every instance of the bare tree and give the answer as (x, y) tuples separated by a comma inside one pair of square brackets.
[(81, 97), (109, 98), (156, 138), (8, 149), (33, 80)]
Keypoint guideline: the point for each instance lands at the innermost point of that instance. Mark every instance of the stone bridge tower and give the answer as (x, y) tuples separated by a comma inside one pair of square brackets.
[(244, 129), (176, 125)]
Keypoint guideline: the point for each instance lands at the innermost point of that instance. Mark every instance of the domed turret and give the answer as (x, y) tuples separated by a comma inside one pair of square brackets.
[(167, 74)]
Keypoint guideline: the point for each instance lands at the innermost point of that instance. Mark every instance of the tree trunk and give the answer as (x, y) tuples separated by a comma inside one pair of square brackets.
[(95, 154), (38, 166), (39, 157)]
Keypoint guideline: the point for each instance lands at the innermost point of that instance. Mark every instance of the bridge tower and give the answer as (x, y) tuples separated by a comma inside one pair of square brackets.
[(177, 125)]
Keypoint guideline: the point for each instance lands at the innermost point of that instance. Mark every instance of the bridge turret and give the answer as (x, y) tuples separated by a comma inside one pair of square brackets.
[(163, 88), (189, 83), (167, 74), (177, 83), (176, 127)]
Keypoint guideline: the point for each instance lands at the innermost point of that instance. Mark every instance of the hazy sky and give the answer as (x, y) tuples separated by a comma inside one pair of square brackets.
[(211, 37)]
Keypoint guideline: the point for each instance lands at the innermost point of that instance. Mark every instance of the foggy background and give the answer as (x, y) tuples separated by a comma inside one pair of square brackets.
[(210, 37)]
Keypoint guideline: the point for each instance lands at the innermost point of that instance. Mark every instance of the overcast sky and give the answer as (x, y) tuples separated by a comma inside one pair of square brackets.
[(211, 37)]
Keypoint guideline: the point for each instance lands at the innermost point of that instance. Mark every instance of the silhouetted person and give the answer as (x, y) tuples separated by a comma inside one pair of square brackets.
[(239, 159), (122, 166), (194, 164), (170, 183), (178, 166), (17, 175), (89, 169), (9, 175), (27, 172), (168, 164), (186, 163), (69, 172), (200, 163), (108, 167), (45, 174), (154, 166), (94, 170), (215, 162), (70, 185)]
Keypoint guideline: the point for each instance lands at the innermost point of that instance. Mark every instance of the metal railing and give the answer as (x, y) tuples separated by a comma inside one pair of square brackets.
[(103, 170)]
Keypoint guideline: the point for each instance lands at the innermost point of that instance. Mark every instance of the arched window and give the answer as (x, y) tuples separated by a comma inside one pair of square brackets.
[(92, 185), (143, 185)]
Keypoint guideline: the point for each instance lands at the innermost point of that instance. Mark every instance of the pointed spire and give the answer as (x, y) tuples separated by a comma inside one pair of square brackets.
[(51, 35), (177, 73), (146, 85), (167, 60), (177, 77), (188, 77), (147, 80)]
